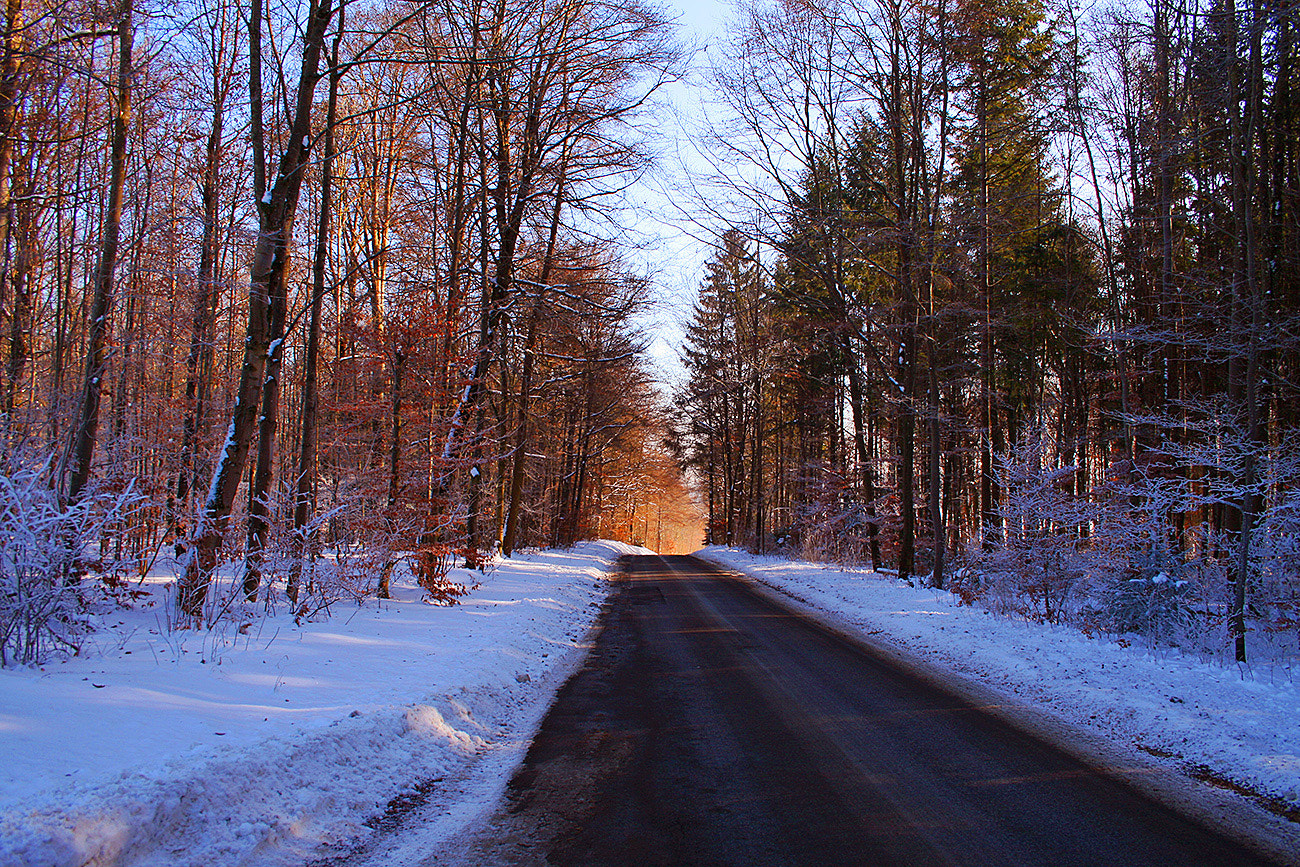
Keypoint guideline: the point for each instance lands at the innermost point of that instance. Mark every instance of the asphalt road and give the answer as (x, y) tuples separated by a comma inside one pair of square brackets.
[(710, 725)]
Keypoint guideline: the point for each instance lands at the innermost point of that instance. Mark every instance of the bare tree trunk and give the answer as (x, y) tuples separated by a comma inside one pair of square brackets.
[(304, 501), (10, 66), (990, 489), (197, 373), (856, 409), (276, 207), (194, 464), (934, 475), (17, 275), (907, 454), (519, 458), (85, 432), (490, 320), (394, 466), (903, 145), (259, 506), (1248, 312), (510, 528)]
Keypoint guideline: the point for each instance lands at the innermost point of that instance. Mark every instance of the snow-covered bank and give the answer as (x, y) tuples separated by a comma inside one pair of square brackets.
[(264, 745), (1200, 718)]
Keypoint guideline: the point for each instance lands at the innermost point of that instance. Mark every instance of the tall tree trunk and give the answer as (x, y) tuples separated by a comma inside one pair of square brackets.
[(491, 321), (85, 432), (990, 494), (510, 528), (304, 501), (1248, 304), (197, 373), (934, 474), (276, 207), (858, 412), (259, 492), (903, 141), (10, 67)]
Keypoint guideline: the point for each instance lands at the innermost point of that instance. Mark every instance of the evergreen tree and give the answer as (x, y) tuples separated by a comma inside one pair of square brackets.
[(726, 355), (1004, 195)]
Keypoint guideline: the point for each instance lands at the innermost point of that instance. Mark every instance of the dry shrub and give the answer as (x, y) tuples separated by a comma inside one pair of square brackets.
[(44, 606)]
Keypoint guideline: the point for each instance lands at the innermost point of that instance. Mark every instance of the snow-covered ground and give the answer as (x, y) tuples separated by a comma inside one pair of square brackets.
[(270, 745), (287, 742), (1236, 727)]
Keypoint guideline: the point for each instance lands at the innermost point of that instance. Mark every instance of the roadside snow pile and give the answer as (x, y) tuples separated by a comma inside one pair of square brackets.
[(1210, 721), (272, 743)]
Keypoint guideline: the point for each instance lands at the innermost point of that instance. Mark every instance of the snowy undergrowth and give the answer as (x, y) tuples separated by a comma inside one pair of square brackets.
[(1228, 724), (274, 744)]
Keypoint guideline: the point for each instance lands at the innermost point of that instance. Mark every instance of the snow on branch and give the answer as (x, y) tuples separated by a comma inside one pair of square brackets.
[(42, 549)]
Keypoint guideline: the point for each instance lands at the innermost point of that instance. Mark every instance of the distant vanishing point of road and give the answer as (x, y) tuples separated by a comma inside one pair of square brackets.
[(712, 726)]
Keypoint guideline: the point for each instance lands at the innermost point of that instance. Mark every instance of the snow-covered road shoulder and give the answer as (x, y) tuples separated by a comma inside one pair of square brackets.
[(1199, 719), (268, 748)]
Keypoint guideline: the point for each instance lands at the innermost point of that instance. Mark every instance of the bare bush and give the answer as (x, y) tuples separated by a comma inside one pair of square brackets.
[(43, 607), (835, 526), (1276, 569), (1139, 556), (363, 551), (1039, 567)]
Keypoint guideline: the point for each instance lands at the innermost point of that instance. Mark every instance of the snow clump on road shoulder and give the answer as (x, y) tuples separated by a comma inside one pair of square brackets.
[(195, 748)]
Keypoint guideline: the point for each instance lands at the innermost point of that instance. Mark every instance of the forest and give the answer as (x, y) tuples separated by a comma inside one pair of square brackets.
[(307, 291), (1006, 301), (1003, 297)]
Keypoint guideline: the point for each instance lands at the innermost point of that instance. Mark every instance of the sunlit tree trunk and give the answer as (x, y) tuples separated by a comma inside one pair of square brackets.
[(10, 67), (519, 459), (86, 429), (304, 500), (199, 360), (276, 207)]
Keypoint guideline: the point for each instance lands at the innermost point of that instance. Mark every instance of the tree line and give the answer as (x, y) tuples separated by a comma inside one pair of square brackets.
[(1006, 298), (334, 276)]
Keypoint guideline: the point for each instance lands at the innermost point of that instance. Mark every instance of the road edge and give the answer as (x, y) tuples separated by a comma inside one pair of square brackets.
[(1225, 811), (426, 834)]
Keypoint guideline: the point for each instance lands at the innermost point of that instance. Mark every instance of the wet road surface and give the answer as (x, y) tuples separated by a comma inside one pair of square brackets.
[(711, 725)]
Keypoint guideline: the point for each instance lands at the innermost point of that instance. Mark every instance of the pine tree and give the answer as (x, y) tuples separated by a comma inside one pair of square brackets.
[(1003, 190), (724, 400)]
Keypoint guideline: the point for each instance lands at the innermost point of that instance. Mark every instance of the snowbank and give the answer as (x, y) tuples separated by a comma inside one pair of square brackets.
[(1219, 724), (272, 744)]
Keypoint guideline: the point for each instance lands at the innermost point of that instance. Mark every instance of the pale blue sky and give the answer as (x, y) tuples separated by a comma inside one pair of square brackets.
[(701, 16), (673, 257)]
